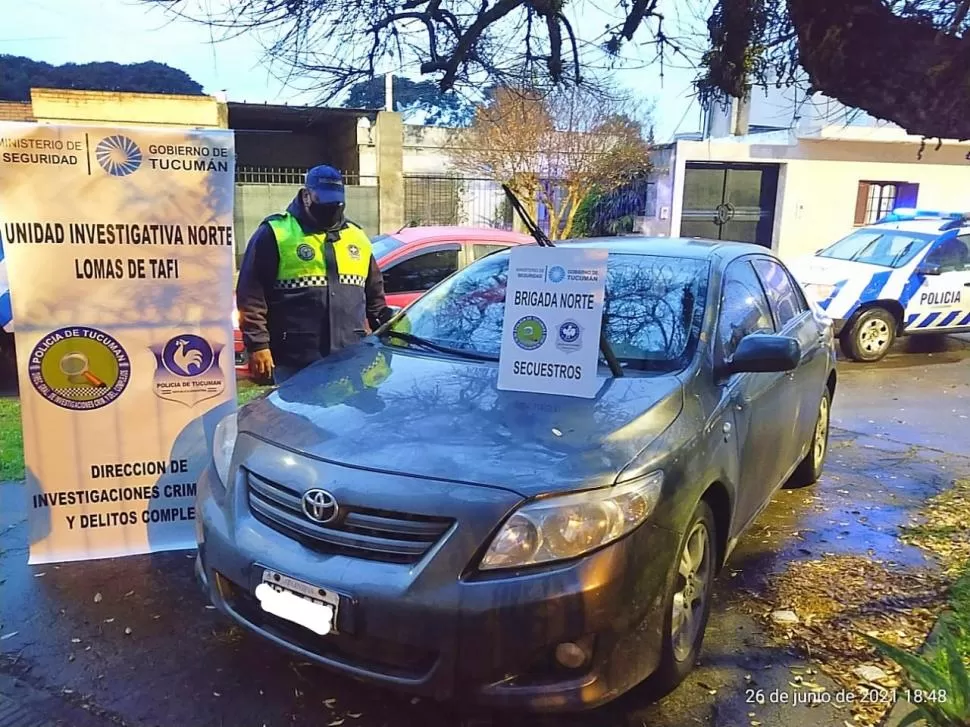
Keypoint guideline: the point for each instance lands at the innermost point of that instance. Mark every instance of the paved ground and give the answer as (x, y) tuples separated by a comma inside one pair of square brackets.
[(900, 427)]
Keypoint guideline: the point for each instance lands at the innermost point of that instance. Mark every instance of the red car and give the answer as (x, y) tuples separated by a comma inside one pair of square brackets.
[(416, 259)]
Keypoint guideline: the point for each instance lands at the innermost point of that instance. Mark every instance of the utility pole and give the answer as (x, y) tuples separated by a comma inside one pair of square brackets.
[(389, 92)]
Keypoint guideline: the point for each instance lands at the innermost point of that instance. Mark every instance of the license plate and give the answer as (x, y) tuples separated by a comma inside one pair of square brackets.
[(301, 603)]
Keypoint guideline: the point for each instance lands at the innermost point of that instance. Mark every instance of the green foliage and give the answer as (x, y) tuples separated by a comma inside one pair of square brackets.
[(11, 441), (18, 75), (440, 108), (939, 680)]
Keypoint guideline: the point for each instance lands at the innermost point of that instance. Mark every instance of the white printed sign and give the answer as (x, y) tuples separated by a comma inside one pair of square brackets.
[(119, 254), (553, 316)]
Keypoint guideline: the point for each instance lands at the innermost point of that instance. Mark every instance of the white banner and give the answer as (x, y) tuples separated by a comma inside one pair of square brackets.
[(553, 317), (119, 253)]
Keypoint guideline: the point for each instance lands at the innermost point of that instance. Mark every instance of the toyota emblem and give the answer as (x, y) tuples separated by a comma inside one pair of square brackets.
[(320, 506)]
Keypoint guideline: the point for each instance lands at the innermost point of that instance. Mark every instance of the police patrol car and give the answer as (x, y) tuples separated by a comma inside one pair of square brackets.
[(907, 274)]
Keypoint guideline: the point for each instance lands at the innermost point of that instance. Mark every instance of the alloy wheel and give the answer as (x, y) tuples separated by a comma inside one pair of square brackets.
[(690, 599), (822, 430)]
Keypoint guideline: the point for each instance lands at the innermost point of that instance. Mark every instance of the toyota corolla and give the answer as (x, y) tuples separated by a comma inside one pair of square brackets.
[(390, 514)]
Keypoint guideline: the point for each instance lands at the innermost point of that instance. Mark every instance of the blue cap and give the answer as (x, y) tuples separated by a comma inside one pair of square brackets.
[(326, 184)]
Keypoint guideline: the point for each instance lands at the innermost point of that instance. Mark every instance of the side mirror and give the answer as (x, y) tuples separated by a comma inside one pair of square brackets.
[(760, 353), (395, 309), (926, 268)]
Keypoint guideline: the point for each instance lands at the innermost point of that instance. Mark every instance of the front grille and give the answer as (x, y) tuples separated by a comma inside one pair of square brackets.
[(359, 532), (376, 655)]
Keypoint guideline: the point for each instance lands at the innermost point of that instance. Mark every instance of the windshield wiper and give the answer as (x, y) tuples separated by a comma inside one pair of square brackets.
[(542, 240), (412, 340)]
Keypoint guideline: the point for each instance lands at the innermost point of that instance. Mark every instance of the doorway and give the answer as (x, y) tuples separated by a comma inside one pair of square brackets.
[(730, 202)]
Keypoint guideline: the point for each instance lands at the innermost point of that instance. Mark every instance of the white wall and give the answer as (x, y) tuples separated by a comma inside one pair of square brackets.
[(819, 181)]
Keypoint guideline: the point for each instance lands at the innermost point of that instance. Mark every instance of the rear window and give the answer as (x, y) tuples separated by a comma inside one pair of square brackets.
[(888, 248), (384, 244)]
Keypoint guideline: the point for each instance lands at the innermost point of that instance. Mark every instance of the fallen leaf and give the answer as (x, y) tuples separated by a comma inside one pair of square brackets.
[(39, 575), (328, 703), (98, 597), (9, 635), (355, 715), (127, 630), (336, 723), (109, 620), (216, 694), (130, 593), (75, 640)]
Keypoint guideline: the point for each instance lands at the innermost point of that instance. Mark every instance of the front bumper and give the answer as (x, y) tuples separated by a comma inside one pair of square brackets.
[(431, 628)]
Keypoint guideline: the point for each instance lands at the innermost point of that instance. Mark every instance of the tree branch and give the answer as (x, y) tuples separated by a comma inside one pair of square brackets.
[(859, 52)]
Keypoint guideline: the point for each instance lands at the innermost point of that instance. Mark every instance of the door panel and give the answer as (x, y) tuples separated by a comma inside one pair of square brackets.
[(943, 301), (793, 318), (730, 202), (765, 404)]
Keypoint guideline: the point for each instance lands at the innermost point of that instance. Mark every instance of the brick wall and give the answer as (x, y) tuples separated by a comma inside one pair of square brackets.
[(13, 111)]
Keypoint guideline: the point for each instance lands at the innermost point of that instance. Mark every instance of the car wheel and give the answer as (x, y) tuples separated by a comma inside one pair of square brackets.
[(810, 468), (688, 603), (871, 336)]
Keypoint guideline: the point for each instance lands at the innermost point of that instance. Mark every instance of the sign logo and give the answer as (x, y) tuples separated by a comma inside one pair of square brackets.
[(570, 336), (320, 506), (529, 333), (187, 370), (79, 368), (354, 252), (305, 252), (118, 155), (557, 273)]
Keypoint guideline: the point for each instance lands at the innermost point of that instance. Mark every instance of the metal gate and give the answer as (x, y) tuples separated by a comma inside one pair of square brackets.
[(730, 202)]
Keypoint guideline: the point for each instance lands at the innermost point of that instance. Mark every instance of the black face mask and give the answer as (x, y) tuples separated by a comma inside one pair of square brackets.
[(326, 215)]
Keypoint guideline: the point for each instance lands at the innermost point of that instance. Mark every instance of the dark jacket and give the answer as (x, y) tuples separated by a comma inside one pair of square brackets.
[(300, 326)]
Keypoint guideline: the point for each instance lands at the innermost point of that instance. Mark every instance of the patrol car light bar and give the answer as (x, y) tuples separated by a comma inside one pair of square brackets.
[(904, 214)]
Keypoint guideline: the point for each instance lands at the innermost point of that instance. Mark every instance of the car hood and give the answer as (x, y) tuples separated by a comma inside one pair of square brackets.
[(396, 410), (812, 269)]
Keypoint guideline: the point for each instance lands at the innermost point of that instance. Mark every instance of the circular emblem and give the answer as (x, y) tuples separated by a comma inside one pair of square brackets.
[(557, 274), (569, 332), (320, 506), (118, 155), (353, 251), (305, 252), (723, 213), (79, 368), (187, 355), (529, 333)]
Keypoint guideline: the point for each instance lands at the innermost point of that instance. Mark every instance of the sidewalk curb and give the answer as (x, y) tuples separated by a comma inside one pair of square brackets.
[(22, 705)]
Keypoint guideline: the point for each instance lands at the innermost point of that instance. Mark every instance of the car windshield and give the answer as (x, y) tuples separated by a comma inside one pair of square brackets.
[(653, 310), (384, 244), (888, 248)]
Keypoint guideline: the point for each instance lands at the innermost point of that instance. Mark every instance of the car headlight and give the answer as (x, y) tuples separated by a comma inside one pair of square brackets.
[(818, 291), (223, 444), (563, 527)]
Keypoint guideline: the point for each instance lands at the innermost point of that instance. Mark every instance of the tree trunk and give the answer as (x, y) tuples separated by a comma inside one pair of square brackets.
[(859, 52), (574, 199)]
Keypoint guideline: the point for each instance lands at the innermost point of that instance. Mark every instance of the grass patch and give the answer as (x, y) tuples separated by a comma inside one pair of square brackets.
[(12, 440)]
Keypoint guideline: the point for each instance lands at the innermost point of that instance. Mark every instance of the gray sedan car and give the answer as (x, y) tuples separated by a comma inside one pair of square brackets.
[(392, 515)]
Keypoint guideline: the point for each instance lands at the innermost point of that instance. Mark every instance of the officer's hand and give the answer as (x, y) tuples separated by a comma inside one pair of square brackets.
[(261, 363), (386, 314)]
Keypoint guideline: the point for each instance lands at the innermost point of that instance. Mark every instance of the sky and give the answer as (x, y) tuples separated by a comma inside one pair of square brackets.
[(128, 31)]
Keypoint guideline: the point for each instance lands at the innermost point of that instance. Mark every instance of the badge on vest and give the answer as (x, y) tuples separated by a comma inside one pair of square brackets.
[(305, 252), (354, 252)]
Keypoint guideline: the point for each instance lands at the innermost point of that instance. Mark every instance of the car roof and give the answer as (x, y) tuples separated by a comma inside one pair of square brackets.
[(683, 247), (410, 235)]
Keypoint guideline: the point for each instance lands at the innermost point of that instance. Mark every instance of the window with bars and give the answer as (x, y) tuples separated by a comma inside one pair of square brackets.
[(875, 200)]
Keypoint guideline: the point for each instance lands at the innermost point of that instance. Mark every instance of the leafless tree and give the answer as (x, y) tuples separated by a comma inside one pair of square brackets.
[(907, 61), (555, 147)]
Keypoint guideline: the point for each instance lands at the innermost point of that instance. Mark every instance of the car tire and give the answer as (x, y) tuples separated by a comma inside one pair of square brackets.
[(870, 336), (810, 468), (679, 652)]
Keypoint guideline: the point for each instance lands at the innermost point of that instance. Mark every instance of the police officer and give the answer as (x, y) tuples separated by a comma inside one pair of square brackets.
[(308, 281)]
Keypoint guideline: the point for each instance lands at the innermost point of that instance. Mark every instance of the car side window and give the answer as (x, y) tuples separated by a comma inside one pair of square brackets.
[(952, 255), (783, 295), (481, 249), (421, 272), (744, 308)]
